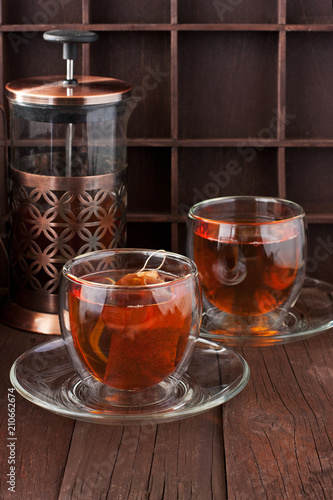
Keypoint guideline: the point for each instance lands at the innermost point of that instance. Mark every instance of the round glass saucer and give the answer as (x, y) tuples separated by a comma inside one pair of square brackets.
[(312, 314), (45, 376)]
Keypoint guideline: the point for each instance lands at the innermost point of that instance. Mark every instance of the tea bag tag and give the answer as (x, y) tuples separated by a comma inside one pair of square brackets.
[(141, 278)]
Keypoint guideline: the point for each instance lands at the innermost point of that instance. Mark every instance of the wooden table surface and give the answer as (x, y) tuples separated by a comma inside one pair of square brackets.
[(274, 440)]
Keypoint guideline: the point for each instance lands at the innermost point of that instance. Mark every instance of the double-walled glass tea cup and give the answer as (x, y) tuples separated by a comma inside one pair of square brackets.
[(130, 319), (250, 253)]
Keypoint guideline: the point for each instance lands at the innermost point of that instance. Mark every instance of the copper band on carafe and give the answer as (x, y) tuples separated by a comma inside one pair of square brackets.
[(53, 220)]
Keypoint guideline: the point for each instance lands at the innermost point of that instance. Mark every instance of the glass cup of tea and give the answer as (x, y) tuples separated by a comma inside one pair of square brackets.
[(250, 253), (130, 319)]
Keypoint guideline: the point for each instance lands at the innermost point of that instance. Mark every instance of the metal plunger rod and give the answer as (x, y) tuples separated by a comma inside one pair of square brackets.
[(70, 70), (70, 39), (69, 53), (69, 149), (69, 140)]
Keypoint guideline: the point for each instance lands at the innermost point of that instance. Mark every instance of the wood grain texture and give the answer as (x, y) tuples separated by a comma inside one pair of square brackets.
[(35, 27), (147, 68), (282, 11), (43, 438), (214, 100), (282, 172), (279, 442), (306, 11), (177, 460), (321, 178), (210, 173), (47, 13), (272, 441), (256, 11), (307, 91), (130, 11)]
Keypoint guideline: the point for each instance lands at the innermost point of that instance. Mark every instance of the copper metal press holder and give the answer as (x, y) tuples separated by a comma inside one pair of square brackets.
[(68, 181)]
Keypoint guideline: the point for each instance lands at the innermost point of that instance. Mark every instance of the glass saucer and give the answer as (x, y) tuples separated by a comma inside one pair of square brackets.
[(45, 376), (312, 314)]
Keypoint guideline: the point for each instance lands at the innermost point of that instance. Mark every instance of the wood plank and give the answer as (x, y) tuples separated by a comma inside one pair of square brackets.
[(303, 11), (36, 12), (176, 460), (145, 217), (320, 218), (281, 87), (174, 11), (143, 27), (3, 177), (282, 172), (231, 142), (281, 98), (216, 142), (309, 27), (174, 124), (85, 11), (85, 46), (43, 438), (130, 11), (278, 435), (307, 101), (174, 85), (228, 12), (312, 218), (147, 68), (213, 97), (313, 193), (279, 431), (169, 27), (282, 11), (174, 197)]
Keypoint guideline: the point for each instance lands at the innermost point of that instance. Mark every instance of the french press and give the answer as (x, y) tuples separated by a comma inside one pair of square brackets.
[(67, 173)]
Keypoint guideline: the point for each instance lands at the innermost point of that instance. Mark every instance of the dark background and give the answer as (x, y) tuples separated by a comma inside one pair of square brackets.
[(246, 83)]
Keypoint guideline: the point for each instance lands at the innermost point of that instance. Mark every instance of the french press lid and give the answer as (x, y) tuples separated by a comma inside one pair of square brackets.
[(57, 91)]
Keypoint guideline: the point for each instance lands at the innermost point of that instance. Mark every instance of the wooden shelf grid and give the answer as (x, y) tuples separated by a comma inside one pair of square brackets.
[(246, 84)]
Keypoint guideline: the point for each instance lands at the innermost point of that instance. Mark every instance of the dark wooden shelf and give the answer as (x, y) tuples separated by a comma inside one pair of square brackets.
[(231, 142), (313, 218), (253, 88), (242, 104), (169, 27), (320, 218), (147, 142)]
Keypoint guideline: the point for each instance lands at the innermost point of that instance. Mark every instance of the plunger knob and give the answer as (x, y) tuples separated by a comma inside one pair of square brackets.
[(70, 39)]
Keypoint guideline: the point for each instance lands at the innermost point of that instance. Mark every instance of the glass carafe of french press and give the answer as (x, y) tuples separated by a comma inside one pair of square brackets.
[(67, 174)]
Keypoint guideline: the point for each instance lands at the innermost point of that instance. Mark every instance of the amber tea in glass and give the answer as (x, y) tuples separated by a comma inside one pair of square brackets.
[(131, 322), (135, 339), (250, 256)]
